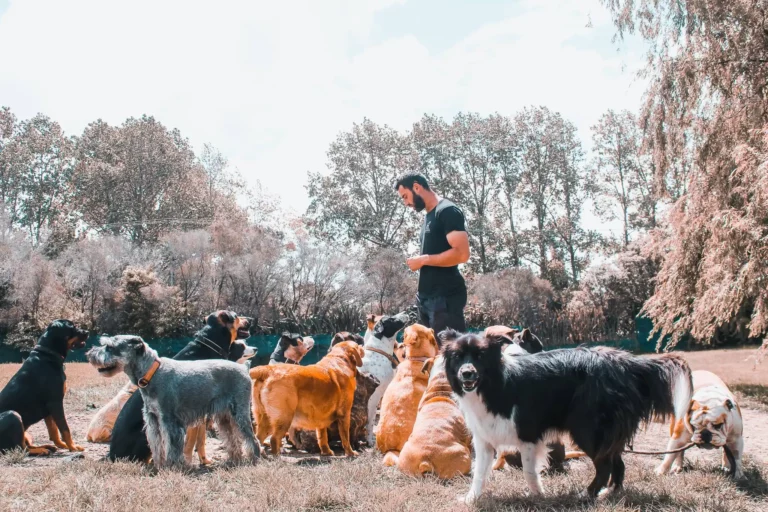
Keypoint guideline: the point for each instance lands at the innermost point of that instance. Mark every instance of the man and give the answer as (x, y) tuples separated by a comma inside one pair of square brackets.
[(442, 292)]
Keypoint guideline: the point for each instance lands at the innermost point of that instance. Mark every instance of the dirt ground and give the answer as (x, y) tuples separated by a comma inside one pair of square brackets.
[(318, 484)]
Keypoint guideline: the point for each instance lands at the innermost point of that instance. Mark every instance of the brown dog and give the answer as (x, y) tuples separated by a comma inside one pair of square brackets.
[(307, 397), (440, 442), (401, 399), (100, 427)]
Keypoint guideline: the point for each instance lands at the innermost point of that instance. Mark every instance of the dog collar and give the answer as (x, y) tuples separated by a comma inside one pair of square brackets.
[(392, 358), (40, 348), (211, 345), (419, 359), (144, 381)]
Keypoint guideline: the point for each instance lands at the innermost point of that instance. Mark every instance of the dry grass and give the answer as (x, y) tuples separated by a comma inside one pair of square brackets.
[(62, 483)]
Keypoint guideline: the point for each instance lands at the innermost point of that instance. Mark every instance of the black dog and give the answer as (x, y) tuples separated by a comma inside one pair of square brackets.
[(213, 341), (597, 395), (36, 392)]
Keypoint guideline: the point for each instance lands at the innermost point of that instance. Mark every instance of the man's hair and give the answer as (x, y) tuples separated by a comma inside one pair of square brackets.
[(409, 178)]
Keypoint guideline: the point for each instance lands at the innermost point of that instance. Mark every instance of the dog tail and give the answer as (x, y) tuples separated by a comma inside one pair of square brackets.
[(426, 467), (641, 390), (390, 459), (670, 389)]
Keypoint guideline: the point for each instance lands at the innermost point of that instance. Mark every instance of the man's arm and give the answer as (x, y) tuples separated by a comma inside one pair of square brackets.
[(458, 253)]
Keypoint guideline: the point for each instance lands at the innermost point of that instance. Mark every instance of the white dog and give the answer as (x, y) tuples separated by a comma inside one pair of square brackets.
[(379, 361), (713, 421)]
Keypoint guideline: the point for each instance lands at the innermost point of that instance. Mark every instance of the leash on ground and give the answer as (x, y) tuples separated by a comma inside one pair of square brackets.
[(579, 454), (638, 452), (728, 453)]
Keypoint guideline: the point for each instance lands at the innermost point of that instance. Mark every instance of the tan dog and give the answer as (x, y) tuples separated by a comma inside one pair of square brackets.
[(400, 402), (307, 397), (440, 442), (100, 428), (713, 421)]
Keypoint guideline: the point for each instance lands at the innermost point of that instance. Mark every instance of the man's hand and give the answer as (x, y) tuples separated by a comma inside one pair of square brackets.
[(417, 262)]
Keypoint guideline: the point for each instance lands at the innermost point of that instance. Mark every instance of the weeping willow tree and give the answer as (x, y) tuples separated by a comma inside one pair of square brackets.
[(705, 121)]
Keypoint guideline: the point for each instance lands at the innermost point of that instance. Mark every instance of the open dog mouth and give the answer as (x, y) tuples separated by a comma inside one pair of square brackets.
[(243, 333), (469, 384), (107, 369)]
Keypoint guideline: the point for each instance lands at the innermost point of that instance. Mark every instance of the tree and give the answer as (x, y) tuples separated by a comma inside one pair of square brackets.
[(506, 210), (475, 140), (570, 192), (10, 165), (140, 180), (536, 129), (622, 175), (356, 200), (38, 169), (708, 84)]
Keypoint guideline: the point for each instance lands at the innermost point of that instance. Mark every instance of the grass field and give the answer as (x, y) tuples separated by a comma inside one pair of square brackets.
[(63, 482)]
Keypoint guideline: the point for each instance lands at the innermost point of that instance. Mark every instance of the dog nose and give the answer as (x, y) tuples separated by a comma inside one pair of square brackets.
[(706, 436), (468, 373)]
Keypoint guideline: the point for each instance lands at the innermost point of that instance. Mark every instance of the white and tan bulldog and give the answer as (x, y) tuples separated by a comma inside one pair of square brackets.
[(713, 421)]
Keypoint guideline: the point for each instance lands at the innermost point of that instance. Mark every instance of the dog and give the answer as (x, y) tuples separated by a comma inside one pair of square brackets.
[(239, 353), (597, 395), (213, 341), (345, 336), (307, 397), (291, 348), (400, 402), (379, 360), (514, 343), (713, 420), (180, 394), (440, 442), (100, 427), (36, 392), (358, 420)]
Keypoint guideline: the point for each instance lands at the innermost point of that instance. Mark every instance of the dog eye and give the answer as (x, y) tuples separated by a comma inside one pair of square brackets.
[(718, 426)]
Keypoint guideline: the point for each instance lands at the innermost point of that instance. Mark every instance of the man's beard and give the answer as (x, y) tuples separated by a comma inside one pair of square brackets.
[(418, 202)]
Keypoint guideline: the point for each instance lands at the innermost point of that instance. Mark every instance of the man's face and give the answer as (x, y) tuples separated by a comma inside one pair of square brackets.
[(411, 197)]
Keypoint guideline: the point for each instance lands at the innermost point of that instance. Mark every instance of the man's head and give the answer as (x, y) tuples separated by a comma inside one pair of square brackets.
[(412, 187)]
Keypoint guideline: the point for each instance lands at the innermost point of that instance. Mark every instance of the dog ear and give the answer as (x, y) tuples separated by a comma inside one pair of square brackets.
[(433, 340), (226, 317), (427, 366), (354, 356), (138, 345), (729, 404), (695, 406)]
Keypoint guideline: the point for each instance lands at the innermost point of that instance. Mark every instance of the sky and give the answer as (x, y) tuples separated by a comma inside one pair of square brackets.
[(271, 84)]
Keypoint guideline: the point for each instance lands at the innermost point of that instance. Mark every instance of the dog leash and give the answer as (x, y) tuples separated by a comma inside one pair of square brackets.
[(638, 452)]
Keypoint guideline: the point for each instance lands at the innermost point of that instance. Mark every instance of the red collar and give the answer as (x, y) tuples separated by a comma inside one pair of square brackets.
[(144, 381)]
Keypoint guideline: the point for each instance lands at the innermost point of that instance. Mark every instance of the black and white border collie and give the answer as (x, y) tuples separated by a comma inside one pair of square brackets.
[(598, 396)]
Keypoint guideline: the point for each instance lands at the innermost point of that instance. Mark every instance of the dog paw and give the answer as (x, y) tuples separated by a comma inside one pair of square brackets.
[(76, 448), (469, 499), (352, 454), (206, 461), (660, 471)]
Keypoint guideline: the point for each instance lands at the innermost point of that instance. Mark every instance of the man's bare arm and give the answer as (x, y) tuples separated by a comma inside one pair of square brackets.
[(458, 253)]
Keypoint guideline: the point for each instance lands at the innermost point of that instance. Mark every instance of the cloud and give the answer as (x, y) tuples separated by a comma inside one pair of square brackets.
[(271, 84)]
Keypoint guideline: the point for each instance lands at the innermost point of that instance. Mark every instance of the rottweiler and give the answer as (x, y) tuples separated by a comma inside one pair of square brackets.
[(36, 392), (213, 341)]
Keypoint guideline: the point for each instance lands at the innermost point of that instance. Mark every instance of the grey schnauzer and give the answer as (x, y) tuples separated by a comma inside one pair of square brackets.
[(179, 394)]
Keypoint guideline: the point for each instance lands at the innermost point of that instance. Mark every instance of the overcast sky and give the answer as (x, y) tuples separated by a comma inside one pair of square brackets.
[(271, 84)]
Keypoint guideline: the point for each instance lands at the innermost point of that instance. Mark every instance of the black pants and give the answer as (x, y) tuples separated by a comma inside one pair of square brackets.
[(442, 312)]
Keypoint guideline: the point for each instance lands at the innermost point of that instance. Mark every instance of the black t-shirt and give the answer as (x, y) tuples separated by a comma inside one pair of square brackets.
[(444, 218)]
